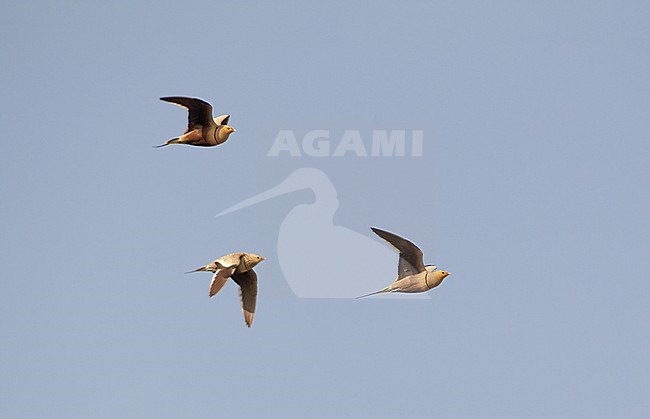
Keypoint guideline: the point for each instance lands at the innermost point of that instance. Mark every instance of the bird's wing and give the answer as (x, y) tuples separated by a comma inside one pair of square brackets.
[(410, 256), (224, 267), (220, 278), (200, 111), (247, 282), (222, 119)]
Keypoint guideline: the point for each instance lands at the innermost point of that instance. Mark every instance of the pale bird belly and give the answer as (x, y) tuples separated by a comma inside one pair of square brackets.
[(193, 137), (411, 284)]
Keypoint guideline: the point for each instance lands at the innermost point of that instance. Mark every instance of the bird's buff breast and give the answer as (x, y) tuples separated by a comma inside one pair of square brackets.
[(430, 280), (210, 136), (247, 263), (220, 136)]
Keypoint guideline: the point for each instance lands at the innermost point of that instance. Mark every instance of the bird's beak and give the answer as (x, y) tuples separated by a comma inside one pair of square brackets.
[(284, 187), (234, 130)]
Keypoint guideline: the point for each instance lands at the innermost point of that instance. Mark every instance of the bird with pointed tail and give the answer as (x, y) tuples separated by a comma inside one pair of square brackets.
[(413, 276), (239, 267), (202, 129)]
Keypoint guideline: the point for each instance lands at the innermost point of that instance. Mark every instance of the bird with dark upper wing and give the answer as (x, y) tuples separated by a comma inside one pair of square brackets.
[(412, 274), (202, 129)]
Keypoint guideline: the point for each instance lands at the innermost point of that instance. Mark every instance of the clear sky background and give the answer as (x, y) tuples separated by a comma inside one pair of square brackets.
[(533, 190)]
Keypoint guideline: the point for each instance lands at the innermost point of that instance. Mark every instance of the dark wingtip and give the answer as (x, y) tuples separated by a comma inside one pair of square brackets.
[(378, 231)]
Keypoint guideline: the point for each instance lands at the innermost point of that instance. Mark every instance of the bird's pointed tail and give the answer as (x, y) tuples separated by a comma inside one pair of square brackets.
[(381, 291), (202, 268), (172, 141)]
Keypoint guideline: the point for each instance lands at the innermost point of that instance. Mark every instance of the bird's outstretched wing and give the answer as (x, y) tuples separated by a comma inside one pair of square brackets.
[(200, 111), (247, 282), (220, 278), (410, 256)]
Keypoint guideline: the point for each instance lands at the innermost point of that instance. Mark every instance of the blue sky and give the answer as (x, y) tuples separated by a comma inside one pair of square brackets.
[(532, 189)]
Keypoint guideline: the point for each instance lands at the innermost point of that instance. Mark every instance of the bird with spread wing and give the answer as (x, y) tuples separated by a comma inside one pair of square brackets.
[(412, 274), (239, 267), (202, 129)]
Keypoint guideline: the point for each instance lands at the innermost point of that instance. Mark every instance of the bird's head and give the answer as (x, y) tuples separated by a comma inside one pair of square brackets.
[(227, 129), (250, 260), (440, 275)]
